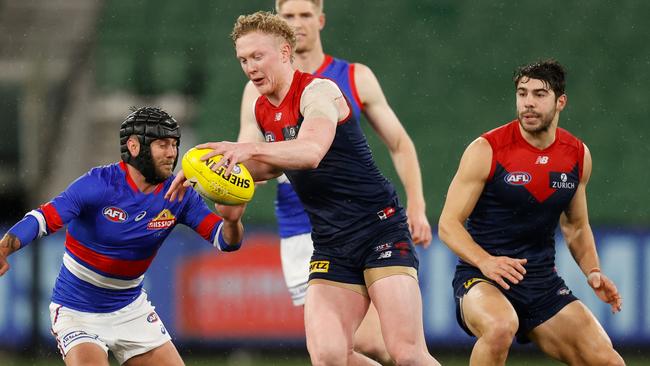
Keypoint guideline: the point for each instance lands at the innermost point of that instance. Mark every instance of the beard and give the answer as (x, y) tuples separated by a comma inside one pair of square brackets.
[(164, 171), (545, 121)]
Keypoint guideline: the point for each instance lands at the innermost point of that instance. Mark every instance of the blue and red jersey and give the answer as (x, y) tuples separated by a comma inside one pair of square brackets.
[(526, 191), (113, 233), (292, 218), (346, 191)]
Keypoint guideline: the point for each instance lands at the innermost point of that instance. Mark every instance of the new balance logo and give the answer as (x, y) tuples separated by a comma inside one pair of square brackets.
[(384, 255), (541, 160)]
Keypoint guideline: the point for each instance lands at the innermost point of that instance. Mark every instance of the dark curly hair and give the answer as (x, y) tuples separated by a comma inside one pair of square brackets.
[(549, 71)]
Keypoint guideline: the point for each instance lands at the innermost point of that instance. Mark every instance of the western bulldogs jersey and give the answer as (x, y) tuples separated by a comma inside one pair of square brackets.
[(347, 189), (292, 218), (113, 234), (526, 191)]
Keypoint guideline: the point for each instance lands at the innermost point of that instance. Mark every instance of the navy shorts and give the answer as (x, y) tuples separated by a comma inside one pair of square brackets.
[(384, 244), (535, 299)]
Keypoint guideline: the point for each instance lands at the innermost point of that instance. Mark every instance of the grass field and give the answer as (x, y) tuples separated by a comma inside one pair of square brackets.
[(241, 358)]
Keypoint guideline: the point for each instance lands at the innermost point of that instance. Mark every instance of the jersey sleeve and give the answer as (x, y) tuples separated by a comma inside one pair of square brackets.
[(51, 216), (199, 217)]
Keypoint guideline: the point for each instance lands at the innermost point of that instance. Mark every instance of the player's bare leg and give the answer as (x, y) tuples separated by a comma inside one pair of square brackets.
[(86, 354), (332, 315), (493, 320), (165, 355), (399, 304), (575, 337), (368, 339)]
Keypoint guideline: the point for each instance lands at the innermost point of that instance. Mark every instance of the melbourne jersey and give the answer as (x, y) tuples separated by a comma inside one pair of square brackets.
[(113, 234), (526, 191), (292, 218), (347, 188)]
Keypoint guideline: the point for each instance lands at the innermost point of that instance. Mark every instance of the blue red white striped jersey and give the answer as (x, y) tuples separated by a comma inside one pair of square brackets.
[(347, 189), (526, 191), (113, 234), (292, 218)]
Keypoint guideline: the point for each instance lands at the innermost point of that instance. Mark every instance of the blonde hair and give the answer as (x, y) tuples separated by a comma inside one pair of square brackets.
[(265, 22), (317, 3)]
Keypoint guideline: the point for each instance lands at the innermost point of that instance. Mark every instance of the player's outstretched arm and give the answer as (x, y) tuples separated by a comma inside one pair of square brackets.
[(322, 106), (233, 228), (574, 223), (464, 191), (383, 120), (9, 244)]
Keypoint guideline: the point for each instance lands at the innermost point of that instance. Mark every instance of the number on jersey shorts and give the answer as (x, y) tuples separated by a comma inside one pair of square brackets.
[(295, 253), (133, 330)]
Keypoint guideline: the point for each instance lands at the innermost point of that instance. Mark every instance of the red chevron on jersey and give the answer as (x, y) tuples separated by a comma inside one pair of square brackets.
[(282, 122), (539, 171), (526, 192)]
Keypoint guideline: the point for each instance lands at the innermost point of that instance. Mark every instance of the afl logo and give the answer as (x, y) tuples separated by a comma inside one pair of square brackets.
[(115, 214), (152, 317), (517, 178)]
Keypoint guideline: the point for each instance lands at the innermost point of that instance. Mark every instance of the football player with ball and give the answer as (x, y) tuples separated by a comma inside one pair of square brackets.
[(363, 249), (117, 219)]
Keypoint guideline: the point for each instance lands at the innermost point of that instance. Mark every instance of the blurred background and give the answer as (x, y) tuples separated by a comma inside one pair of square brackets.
[(70, 69)]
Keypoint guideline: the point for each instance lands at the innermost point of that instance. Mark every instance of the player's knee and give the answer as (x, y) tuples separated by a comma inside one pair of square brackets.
[(328, 354), (407, 354), (498, 335), (403, 358), (378, 354), (375, 350), (611, 358), (327, 359)]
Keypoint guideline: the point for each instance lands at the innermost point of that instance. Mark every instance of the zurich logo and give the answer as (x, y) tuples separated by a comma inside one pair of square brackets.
[(517, 178)]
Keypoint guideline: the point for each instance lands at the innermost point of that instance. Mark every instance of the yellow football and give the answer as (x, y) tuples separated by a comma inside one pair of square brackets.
[(235, 189)]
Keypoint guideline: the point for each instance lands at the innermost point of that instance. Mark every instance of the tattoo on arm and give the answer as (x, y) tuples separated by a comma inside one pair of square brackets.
[(9, 243)]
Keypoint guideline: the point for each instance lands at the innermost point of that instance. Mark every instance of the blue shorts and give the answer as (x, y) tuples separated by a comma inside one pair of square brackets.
[(384, 244), (535, 299)]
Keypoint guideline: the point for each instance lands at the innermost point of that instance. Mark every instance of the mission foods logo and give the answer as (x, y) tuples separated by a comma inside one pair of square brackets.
[(164, 220), (114, 214), (517, 178)]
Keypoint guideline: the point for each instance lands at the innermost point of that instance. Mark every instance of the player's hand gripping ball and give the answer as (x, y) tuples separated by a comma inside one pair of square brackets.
[(236, 189)]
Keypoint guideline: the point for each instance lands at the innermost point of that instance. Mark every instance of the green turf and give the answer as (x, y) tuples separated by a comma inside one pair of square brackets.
[(255, 359)]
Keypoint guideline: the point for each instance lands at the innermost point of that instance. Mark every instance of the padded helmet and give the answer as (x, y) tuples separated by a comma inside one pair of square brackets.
[(148, 124)]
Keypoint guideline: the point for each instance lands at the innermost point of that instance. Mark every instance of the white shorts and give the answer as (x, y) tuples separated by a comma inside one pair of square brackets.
[(295, 253), (133, 330)]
